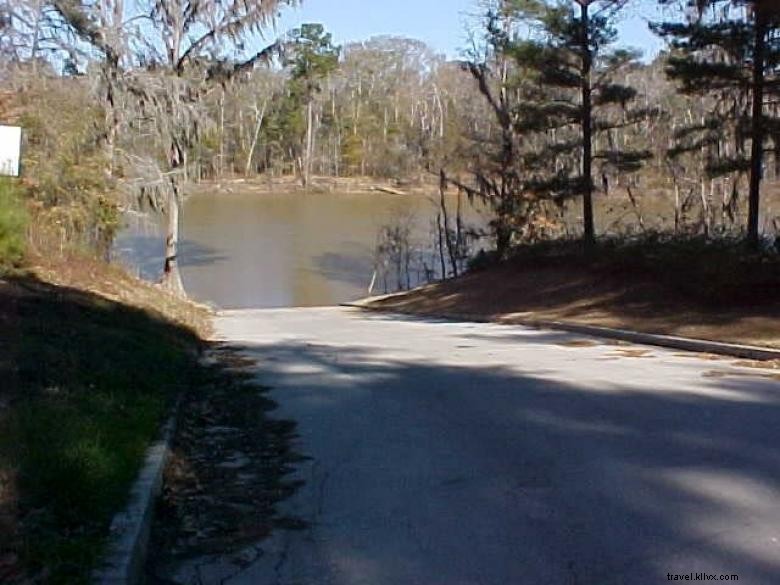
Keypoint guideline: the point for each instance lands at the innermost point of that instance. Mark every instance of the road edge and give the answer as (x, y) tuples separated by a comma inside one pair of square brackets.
[(125, 558), (750, 352)]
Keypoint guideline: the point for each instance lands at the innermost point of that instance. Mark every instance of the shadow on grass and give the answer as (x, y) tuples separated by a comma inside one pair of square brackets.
[(86, 383)]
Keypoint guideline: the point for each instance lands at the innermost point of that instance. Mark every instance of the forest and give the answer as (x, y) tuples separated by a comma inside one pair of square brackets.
[(559, 130)]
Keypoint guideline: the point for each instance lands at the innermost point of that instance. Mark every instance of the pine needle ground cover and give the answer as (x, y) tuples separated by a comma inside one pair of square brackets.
[(712, 290)]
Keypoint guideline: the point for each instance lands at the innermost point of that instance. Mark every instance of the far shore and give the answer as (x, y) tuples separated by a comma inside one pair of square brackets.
[(318, 184)]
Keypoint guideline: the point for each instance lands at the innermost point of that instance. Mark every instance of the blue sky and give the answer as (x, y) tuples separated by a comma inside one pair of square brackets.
[(440, 23)]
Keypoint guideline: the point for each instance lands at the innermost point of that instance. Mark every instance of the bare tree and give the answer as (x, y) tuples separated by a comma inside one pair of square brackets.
[(28, 31), (196, 38), (181, 52)]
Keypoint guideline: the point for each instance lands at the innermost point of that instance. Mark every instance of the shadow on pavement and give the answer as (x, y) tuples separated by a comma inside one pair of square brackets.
[(612, 485)]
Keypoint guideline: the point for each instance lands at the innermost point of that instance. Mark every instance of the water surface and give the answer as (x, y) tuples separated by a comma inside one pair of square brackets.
[(245, 250)]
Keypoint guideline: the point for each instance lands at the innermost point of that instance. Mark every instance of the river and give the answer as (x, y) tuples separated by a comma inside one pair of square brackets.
[(251, 250)]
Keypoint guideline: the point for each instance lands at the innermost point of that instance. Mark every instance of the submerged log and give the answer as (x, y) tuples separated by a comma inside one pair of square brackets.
[(389, 190)]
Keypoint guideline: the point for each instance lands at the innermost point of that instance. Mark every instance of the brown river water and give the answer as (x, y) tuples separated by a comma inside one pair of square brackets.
[(250, 250)]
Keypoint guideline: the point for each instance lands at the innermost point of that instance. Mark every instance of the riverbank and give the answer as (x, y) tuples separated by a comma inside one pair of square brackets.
[(713, 293), (91, 361), (318, 184)]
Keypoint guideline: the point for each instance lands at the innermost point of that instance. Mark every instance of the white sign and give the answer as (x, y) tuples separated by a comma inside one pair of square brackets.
[(10, 150)]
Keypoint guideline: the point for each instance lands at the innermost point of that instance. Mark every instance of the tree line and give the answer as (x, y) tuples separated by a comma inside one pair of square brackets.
[(544, 119), (577, 114)]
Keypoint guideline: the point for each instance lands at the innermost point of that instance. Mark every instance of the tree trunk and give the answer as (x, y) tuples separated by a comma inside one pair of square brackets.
[(705, 209), (587, 138), (451, 252), (442, 261), (459, 243), (259, 117), (221, 165), (757, 127), (35, 45), (306, 171), (677, 211), (171, 279)]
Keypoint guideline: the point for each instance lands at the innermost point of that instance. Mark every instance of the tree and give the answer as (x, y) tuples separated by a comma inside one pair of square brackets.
[(391, 108), (498, 175), (256, 101), (575, 73), (546, 72), (311, 57), (397, 105), (182, 52), (729, 50), (28, 31)]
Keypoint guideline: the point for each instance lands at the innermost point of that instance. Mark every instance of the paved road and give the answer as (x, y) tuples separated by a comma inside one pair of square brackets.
[(448, 453)]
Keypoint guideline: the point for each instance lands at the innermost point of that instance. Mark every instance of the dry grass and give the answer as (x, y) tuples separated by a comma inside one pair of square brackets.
[(112, 282)]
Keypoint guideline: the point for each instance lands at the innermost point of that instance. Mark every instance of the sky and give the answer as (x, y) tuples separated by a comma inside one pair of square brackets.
[(442, 24)]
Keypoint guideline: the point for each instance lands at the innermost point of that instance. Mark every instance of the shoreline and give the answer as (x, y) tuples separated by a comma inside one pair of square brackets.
[(318, 185)]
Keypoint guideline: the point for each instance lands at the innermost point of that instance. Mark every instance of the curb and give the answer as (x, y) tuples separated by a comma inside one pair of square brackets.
[(750, 352), (131, 528)]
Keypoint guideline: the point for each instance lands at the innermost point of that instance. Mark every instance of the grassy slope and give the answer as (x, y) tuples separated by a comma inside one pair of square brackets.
[(710, 292), (88, 375)]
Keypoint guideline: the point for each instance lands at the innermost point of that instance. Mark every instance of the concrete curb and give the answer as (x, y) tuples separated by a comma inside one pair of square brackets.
[(683, 343), (131, 528)]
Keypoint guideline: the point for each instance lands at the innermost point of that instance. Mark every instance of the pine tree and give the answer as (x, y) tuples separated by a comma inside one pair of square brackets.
[(573, 97), (730, 51), (311, 57)]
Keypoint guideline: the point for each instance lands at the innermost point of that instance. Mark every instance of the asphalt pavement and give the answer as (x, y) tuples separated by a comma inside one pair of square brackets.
[(454, 453)]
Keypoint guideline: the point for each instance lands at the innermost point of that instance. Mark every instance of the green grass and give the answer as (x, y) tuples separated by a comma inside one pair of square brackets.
[(90, 383), (13, 222)]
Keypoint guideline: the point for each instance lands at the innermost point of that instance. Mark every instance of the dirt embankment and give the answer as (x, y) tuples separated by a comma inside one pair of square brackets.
[(710, 301)]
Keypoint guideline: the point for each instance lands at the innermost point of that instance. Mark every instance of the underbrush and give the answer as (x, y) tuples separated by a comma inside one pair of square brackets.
[(13, 222), (713, 272)]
